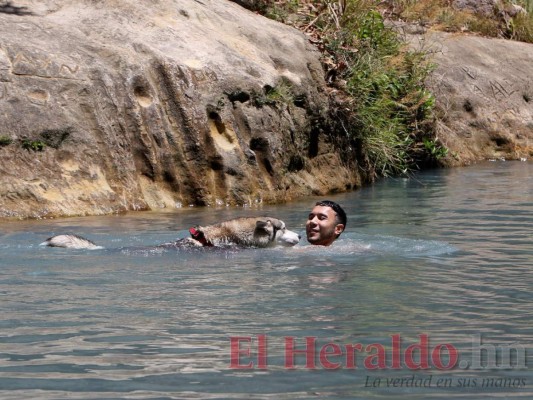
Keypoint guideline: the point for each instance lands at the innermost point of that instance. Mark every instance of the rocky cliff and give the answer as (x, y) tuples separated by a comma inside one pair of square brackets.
[(108, 106), (484, 92)]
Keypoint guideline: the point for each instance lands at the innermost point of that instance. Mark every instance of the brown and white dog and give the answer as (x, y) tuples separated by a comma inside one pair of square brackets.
[(241, 232)]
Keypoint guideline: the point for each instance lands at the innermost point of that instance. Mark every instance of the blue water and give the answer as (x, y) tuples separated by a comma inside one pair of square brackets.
[(447, 254)]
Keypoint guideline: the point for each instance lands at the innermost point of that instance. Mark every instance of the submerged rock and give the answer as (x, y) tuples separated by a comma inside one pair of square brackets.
[(126, 105)]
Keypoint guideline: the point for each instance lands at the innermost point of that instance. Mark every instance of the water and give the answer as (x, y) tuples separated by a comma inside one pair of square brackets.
[(447, 254)]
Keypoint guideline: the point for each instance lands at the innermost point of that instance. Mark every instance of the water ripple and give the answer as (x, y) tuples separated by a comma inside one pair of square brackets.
[(447, 254)]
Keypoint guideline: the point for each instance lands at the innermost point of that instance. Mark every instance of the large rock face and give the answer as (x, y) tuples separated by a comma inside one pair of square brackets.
[(484, 91), (157, 104)]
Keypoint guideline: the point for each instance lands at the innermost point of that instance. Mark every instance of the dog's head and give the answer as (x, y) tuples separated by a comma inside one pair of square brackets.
[(275, 232)]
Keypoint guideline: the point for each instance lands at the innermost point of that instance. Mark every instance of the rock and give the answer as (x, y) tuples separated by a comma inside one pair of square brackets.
[(128, 105), (484, 92), (253, 5), (492, 9), (489, 8), (481, 7)]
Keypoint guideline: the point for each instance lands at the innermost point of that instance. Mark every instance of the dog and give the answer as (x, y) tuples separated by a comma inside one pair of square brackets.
[(70, 242), (259, 232)]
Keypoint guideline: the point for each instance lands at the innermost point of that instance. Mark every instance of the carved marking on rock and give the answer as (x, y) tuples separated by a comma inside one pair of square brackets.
[(34, 65), (39, 97), (499, 91), (472, 73), (476, 89), (72, 70), (21, 58), (29, 26)]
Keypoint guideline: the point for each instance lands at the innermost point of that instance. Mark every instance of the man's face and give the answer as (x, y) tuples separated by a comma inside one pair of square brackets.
[(322, 227)]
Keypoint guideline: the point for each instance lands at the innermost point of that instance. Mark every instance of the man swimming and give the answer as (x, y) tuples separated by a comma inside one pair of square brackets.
[(326, 222)]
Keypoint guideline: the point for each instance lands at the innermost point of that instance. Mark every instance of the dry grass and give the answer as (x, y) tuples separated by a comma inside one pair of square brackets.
[(522, 28), (441, 15)]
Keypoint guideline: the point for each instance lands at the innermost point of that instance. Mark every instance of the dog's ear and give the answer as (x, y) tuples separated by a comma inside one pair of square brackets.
[(277, 223), (263, 224), (264, 229)]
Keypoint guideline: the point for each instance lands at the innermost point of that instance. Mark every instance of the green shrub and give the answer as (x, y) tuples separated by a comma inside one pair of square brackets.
[(55, 137), (34, 145), (384, 108), (5, 141), (272, 95), (281, 13), (434, 149), (281, 93)]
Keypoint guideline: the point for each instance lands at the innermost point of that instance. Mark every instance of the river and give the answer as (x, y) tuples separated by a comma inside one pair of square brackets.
[(423, 297)]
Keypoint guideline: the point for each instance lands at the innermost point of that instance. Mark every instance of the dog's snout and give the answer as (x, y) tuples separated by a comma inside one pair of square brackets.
[(299, 236)]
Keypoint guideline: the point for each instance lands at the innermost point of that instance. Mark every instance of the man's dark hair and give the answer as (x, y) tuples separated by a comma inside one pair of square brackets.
[(340, 214)]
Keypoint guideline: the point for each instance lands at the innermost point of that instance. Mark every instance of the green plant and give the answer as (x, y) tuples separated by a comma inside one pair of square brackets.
[(272, 95), (391, 103), (34, 145), (5, 140), (55, 137), (281, 93), (384, 108), (434, 149), (281, 13)]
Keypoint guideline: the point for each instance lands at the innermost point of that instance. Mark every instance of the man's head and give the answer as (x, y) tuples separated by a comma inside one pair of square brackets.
[(326, 221)]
